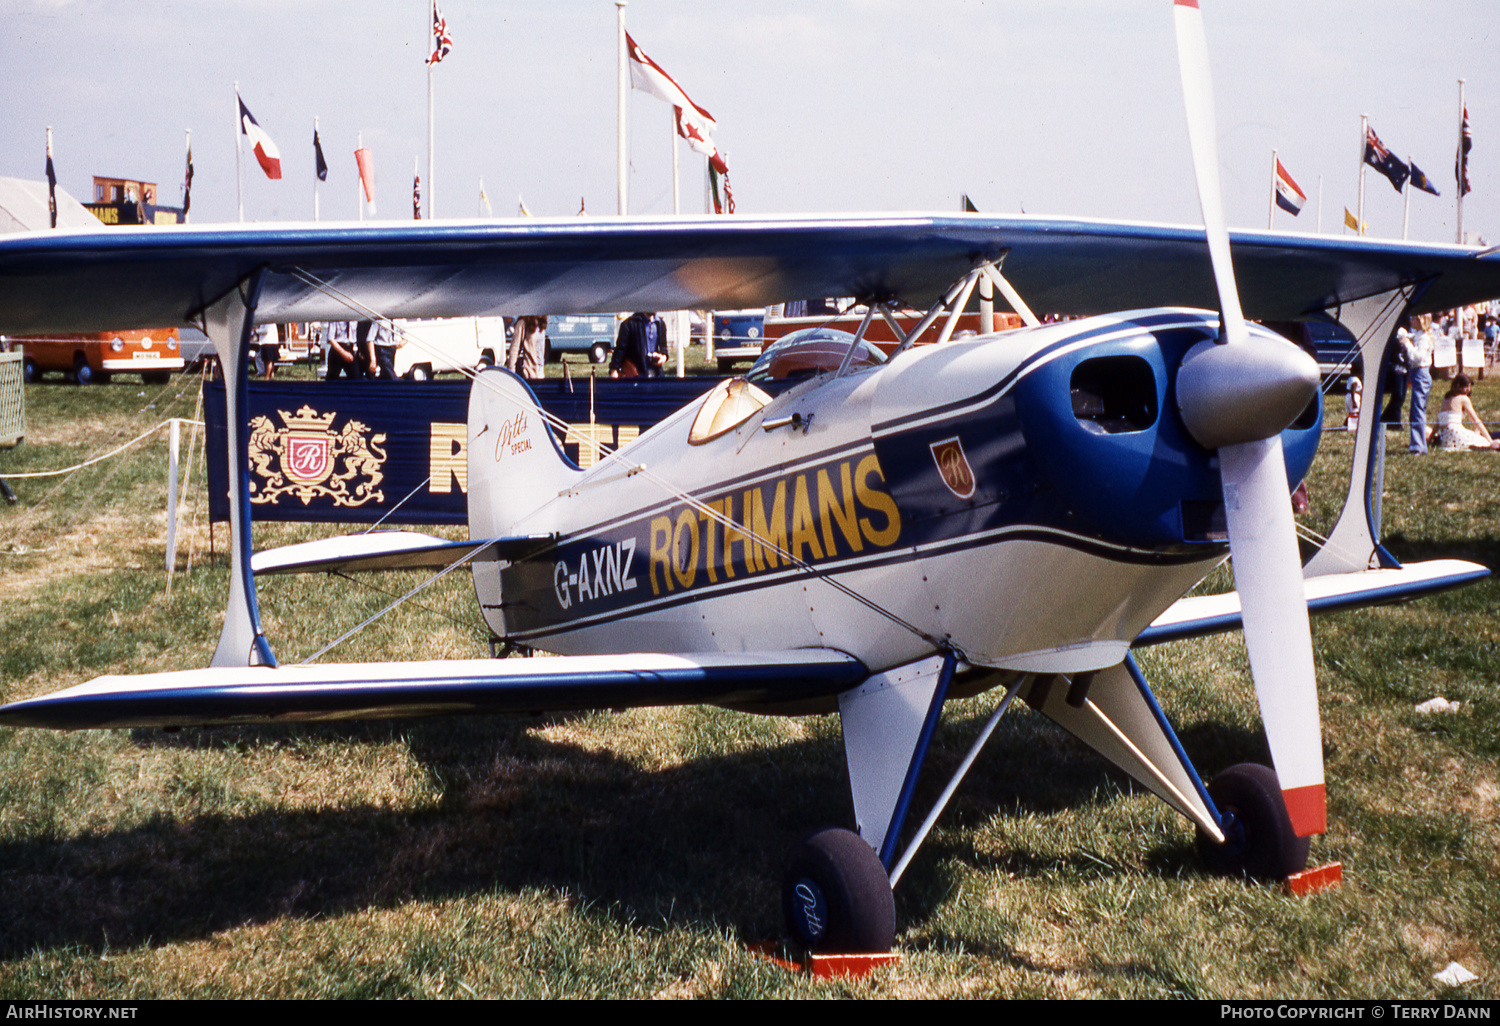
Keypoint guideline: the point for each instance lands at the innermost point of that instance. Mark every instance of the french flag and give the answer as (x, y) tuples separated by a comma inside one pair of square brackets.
[(1289, 196), (265, 150)]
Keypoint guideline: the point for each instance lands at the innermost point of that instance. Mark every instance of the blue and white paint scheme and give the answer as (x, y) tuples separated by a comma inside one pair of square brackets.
[(837, 531)]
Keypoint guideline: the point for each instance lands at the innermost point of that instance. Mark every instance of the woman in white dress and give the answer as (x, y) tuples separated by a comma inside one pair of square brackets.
[(1456, 406)]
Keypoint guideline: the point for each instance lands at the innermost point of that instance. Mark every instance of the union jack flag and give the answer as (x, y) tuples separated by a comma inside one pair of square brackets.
[(441, 43)]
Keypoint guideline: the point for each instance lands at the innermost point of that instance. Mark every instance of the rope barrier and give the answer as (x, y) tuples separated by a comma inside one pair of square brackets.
[(113, 452)]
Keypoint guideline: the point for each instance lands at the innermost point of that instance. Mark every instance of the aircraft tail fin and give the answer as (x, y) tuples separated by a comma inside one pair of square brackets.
[(516, 466)]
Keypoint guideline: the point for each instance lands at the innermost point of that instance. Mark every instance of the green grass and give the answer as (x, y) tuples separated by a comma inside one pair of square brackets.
[(634, 854)]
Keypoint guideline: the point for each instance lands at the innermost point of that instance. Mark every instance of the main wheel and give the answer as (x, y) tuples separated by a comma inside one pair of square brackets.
[(1259, 839), (599, 352), (836, 897)]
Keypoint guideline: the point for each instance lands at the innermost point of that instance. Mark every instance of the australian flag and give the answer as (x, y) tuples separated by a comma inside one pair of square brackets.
[(1384, 161)]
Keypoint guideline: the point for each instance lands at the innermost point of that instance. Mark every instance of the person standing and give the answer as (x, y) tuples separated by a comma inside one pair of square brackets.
[(383, 340), (528, 347), (341, 359), (1419, 382), (640, 347)]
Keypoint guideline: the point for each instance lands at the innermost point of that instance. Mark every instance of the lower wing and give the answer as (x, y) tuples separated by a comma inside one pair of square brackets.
[(342, 691), (1215, 614)]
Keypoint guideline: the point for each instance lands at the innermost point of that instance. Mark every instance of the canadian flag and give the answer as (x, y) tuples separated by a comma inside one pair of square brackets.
[(694, 124), (265, 150)]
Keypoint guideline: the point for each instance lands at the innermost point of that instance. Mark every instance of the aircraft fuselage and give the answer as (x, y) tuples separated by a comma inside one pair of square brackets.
[(1030, 499)]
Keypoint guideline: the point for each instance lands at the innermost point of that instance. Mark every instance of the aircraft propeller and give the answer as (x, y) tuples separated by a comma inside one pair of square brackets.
[(1236, 395)]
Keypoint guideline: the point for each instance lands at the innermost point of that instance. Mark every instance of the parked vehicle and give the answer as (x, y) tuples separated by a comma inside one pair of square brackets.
[(431, 346), (581, 333), (94, 358)]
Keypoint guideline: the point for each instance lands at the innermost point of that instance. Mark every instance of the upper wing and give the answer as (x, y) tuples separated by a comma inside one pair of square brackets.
[(1215, 614), (341, 691), (127, 277)]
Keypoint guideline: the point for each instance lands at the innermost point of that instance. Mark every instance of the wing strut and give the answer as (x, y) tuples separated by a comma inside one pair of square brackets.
[(1354, 542), (229, 323)]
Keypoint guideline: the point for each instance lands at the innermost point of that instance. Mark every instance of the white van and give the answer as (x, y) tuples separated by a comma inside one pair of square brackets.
[(430, 346)]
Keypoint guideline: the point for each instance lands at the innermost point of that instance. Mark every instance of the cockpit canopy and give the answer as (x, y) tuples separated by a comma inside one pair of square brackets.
[(808, 353)]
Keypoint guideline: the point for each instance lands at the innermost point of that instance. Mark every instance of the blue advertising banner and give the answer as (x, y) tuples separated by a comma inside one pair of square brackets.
[(362, 451)]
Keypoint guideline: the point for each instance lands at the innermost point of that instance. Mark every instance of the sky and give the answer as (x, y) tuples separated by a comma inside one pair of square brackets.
[(1065, 107)]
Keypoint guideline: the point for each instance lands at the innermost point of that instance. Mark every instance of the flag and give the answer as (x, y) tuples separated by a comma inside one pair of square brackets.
[(1289, 196), (416, 196), (969, 207), (1461, 162), (366, 163), (1421, 181), (485, 199), (1383, 160), (265, 150), (51, 183), (694, 124), (1350, 222), (441, 43), (318, 161), (724, 205), (187, 184), (521, 210), (581, 210)]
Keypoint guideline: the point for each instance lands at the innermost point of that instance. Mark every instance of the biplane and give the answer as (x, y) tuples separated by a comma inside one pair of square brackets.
[(841, 530)]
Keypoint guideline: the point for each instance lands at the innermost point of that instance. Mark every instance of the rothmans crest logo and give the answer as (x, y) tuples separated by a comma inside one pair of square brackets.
[(954, 466), (306, 459)]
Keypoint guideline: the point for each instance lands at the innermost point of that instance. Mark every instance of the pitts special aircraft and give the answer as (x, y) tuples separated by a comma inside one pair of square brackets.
[(838, 531)]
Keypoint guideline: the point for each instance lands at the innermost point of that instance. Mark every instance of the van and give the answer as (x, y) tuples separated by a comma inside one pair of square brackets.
[(94, 358)]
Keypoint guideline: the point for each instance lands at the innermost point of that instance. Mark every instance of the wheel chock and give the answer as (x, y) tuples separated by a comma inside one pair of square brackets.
[(1319, 878), (825, 967)]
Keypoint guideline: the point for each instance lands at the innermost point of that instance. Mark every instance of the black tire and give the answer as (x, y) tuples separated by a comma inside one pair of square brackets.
[(29, 369), (486, 359), (156, 377), (1260, 841), (421, 372), (835, 895), (599, 352)]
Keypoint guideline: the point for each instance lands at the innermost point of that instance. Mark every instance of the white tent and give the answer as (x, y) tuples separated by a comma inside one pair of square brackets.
[(23, 208)]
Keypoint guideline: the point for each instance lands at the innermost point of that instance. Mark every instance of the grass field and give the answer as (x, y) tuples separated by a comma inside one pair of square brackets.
[(634, 854)]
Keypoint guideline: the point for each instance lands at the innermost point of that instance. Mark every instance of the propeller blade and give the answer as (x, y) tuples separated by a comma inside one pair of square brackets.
[(1203, 137), (1268, 576), (1262, 536)]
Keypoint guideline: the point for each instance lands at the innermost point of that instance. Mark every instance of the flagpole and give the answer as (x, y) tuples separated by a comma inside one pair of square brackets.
[(1271, 212), (359, 178), (1320, 204), (315, 171), (1364, 136), (239, 176), (624, 84), (1462, 163), (430, 176), (1406, 201)]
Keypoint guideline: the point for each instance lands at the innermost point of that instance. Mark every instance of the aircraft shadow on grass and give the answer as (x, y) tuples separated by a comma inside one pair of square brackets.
[(517, 812)]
